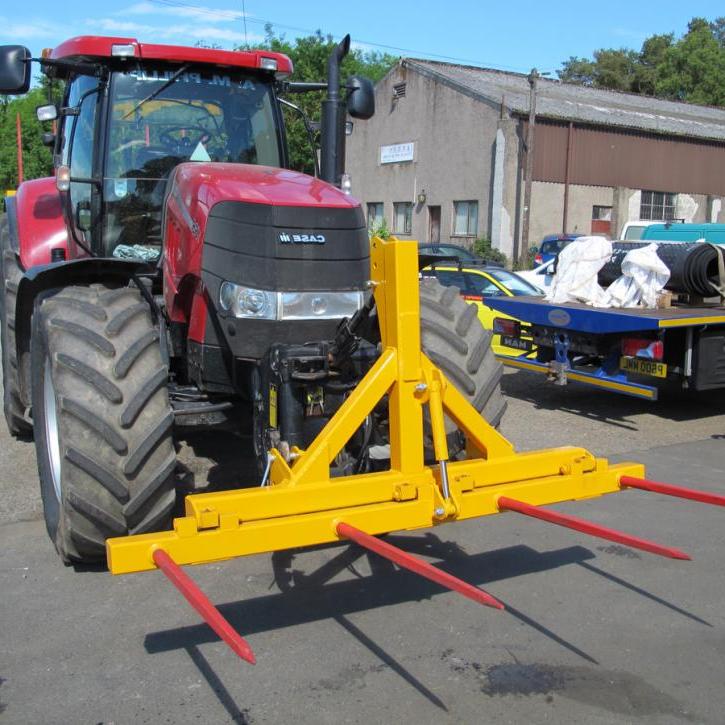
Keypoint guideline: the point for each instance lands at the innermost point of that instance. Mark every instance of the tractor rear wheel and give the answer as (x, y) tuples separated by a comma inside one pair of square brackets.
[(454, 339), (13, 405), (102, 418)]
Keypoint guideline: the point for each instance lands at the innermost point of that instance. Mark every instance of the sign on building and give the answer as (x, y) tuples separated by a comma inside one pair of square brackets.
[(397, 152)]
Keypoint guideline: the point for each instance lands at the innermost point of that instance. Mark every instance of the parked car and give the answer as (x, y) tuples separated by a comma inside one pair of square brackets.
[(551, 245), (633, 231), (713, 233), (450, 250), (476, 282)]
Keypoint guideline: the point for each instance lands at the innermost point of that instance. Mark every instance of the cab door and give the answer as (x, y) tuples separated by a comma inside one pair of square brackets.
[(79, 152)]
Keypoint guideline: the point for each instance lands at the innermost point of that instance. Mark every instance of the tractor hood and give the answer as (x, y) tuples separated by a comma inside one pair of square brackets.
[(202, 185)]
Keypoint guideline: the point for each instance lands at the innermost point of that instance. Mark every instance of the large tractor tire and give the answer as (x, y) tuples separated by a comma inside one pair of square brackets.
[(454, 339), (13, 406), (102, 418)]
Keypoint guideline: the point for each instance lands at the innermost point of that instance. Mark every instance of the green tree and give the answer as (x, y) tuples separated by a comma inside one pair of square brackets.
[(577, 70), (693, 69), (690, 68), (37, 159), (718, 30), (653, 53), (309, 55)]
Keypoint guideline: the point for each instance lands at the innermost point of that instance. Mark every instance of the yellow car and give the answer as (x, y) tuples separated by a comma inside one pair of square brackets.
[(476, 282)]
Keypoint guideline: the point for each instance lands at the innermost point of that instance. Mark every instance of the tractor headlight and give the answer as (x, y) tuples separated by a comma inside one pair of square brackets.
[(261, 304), (248, 302), (319, 305)]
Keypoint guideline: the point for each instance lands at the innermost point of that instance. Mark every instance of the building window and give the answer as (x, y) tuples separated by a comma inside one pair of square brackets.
[(402, 217), (376, 215), (602, 213), (465, 219), (657, 206)]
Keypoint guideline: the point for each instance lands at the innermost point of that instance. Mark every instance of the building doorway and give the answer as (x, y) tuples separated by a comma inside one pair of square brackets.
[(434, 225), (602, 220)]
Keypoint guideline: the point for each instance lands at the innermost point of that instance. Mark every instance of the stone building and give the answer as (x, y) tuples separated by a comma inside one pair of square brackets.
[(444, 157)]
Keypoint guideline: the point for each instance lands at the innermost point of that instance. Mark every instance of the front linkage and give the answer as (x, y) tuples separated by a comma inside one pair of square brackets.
[(301, 505)]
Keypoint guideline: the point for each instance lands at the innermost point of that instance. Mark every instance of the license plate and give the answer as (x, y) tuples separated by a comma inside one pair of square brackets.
[(643, 367), (516, 342)]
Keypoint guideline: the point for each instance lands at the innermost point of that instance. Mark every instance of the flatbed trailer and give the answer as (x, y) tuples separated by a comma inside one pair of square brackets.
[(628, 351)]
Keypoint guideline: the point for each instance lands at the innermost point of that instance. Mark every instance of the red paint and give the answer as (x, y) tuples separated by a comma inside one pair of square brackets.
[(41, 226), (416, 565), (94, 46), (202, 185), (586, 527), (209, 613), (669, 490), (197, 320), (601, 226)]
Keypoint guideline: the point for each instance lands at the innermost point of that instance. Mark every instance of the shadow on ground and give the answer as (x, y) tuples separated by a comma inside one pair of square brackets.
[(610, 408)]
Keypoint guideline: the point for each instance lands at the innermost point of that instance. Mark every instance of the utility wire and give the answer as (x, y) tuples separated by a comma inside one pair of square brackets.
[(309, 31)]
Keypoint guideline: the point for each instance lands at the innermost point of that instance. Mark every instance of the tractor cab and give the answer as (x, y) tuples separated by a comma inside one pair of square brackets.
[(132, 112)]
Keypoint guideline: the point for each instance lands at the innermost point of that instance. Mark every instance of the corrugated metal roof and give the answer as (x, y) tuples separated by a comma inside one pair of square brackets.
[(571, 102)]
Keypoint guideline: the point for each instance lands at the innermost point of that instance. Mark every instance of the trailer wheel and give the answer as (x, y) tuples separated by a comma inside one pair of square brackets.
[(454, 339), (13, 406), (102, 418)]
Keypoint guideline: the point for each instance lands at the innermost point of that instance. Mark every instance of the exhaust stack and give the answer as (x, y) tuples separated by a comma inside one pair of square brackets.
[(334, 110)]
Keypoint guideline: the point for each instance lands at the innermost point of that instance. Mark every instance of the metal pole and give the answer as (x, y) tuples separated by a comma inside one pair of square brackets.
[(19, 135), (565, 219), (524, 245)]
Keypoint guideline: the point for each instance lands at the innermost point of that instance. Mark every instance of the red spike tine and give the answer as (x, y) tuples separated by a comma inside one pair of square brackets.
[(586, 527), (414, 564), (209, 613), (669, 490)]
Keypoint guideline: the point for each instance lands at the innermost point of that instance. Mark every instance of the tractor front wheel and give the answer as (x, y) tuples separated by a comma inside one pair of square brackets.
[(102, 418)]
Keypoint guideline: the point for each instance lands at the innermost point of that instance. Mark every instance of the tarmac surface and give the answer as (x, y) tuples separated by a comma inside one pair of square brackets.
[(593, 632)]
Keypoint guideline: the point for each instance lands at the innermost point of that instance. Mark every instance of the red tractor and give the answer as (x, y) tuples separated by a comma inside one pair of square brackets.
[(175, 271)]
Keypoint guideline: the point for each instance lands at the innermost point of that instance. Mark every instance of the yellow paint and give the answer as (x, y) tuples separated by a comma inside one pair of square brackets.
[(302, 505), (272, 406), (643, 367), (580, 378), (686, 321), (486, 314)]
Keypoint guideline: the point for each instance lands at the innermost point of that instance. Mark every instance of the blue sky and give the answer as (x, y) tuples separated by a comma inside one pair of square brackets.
[(508, 35)]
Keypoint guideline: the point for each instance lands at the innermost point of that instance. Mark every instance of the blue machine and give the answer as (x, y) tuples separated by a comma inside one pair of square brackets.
[(568, 330)]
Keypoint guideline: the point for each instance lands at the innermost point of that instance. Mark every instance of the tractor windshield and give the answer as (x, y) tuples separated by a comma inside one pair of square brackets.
[(202, 115)]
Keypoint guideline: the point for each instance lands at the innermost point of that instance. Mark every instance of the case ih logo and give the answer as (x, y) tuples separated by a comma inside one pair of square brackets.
[(301, 238)]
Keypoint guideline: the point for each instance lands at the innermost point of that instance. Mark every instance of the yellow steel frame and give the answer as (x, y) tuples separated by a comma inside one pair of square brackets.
[(303, 505)]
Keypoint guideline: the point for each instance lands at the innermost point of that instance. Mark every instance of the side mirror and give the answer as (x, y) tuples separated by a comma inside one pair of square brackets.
[(48, 139), (46, 113), (14, 69), (360, 97)]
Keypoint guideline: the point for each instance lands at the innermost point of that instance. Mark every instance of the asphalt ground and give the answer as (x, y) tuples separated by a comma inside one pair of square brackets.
[(593, 632)]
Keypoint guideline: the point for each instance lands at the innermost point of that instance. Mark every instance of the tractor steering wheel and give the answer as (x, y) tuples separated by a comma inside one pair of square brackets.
[(184, 145)]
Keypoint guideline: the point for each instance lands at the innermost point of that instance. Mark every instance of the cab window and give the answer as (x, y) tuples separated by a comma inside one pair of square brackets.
[(82, 129), (206, 115)]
